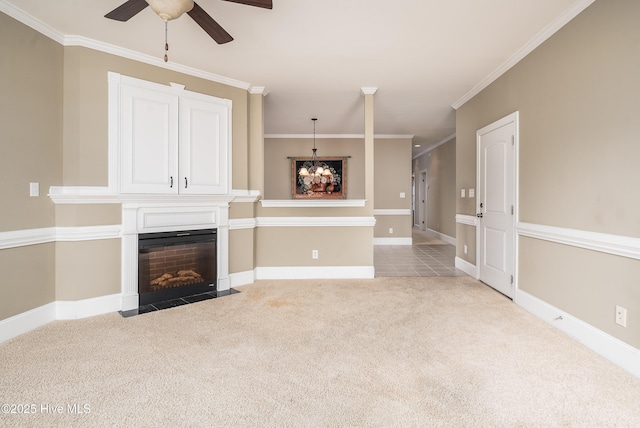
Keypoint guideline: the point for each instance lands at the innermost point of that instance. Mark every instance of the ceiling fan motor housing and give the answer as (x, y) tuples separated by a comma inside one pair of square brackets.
[(170, 9)]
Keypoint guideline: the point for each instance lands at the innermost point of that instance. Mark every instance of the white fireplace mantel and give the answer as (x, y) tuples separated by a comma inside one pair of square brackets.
[(160, 213), (146, 217)]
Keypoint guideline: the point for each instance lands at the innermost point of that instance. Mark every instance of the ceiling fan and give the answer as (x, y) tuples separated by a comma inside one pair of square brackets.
[(172, 9)]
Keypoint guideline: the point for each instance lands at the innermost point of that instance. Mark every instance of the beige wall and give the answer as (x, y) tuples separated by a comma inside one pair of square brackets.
[(30, 151), (277, 170), (292, 246), (440, 164), (85, 112), (392, 175), (88, 215), (338, 246), (241, 241), (392, 166), (54, 121), (85, 160), (31, 122), (578, 159), (28, 278), (87, 269)]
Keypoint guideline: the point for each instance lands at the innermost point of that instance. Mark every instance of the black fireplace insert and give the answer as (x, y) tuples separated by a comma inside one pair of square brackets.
[(177, 264)]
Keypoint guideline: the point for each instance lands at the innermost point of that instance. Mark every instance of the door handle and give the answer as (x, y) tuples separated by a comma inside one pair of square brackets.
[(479, 215)]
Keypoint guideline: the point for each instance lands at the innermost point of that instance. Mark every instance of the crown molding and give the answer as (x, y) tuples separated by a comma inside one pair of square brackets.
[(435, 146), (529, 47), (81, 41), (85, 42), (259, 90)]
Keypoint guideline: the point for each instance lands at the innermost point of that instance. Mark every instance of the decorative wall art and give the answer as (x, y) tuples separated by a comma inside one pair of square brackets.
[(319, 178)]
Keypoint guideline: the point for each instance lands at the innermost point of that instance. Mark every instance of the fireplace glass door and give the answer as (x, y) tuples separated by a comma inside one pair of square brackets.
[(176, 264)]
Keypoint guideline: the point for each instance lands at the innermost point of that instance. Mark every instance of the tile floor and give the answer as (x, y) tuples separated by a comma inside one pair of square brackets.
[(427, 257)]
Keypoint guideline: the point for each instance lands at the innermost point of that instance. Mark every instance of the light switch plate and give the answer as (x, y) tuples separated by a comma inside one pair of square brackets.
[(34, 189), (402, 195), (472, 193), (462, 192)]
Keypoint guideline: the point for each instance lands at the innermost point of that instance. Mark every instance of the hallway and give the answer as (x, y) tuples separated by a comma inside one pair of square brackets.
[(428, 256)]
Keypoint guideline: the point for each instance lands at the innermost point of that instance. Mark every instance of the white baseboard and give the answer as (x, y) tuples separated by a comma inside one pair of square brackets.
[(441, 236), (392, 241), (27, 321), (242, 278), (315, 272), (611, 348), (71, 310), (466, 267), (60, 310)]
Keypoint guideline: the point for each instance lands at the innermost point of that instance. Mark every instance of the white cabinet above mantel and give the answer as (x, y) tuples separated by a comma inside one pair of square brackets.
[(167, 140)]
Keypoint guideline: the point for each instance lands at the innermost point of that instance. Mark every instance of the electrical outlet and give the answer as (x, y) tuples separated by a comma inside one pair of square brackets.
[(390, 230), (465, 249), (621, 316), (314, 254)]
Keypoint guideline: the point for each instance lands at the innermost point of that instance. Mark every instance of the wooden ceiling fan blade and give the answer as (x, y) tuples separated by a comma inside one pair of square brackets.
[(208, 24), (127, 10), (267, 4)]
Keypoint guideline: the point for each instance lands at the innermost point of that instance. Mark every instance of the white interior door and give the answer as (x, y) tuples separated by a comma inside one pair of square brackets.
[(496, 203)]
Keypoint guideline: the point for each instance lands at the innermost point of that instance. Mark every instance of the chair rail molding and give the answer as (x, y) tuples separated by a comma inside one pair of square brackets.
[(312, 203), (391, 211), (316, 221), (466, 219), (611, 244)]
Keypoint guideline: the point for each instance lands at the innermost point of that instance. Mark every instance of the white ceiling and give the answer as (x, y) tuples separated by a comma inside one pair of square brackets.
[(314, 56)]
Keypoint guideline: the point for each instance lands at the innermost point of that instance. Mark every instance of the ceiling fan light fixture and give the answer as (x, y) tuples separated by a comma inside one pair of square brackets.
[(170, 9)]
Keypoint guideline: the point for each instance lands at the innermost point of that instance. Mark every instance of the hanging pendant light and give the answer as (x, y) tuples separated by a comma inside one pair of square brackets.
[(316, 176)]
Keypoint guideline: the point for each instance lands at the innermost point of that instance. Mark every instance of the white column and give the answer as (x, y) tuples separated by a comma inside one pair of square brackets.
[(224, 282), (368, 147), (129, 250)]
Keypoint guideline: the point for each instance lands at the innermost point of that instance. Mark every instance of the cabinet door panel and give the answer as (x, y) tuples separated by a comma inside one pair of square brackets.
[(149, 136), (203, 146)]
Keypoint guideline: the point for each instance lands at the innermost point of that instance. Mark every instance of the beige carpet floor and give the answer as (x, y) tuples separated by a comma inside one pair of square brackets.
[(386, 352)]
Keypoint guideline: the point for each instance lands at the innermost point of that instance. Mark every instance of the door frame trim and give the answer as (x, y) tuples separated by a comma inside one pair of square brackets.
[(515, 118), (422, 206)]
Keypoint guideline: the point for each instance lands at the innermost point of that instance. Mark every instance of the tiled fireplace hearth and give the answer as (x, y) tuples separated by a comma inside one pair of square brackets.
[(155, 217)]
